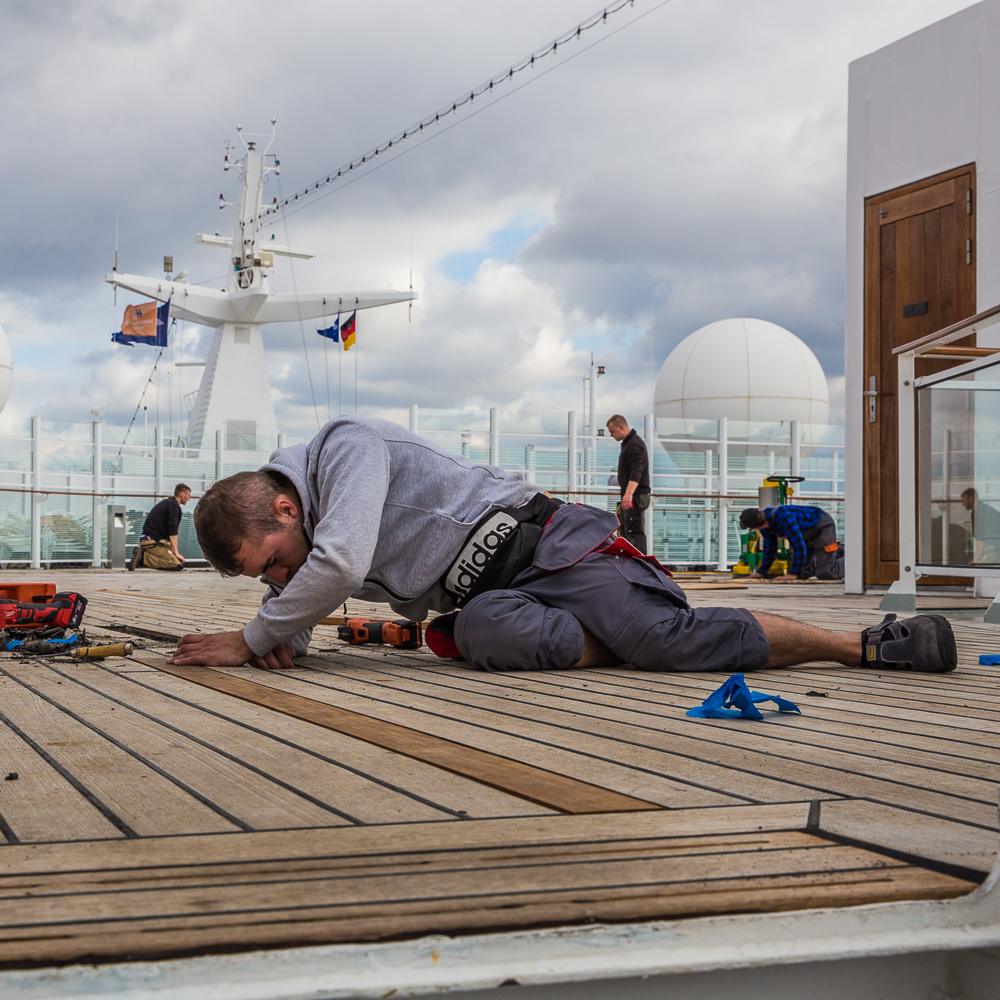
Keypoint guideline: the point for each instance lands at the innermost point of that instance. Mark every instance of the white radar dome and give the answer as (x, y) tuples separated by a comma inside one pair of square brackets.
[(6, 369), (748, 370)]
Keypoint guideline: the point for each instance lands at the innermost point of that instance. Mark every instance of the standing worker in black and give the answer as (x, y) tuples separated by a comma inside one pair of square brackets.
[(157, 549), (633, 481)]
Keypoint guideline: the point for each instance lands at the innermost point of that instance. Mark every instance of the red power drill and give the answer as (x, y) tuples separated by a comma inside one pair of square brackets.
[(402, 633), (64, 610)]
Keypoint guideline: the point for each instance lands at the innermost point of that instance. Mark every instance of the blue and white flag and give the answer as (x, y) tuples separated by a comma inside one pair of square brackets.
[(332, 332)]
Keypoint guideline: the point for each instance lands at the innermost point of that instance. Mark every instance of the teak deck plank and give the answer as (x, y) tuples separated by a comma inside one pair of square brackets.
[(388, 840), (347, 891), (440, 861), (954, 844), (690, 744), (378, 786), (651, 773), (165, 936), (247, 796), (579, 697), (964, 776), (40, 803), (532, 783), (553, 873), (883, 790), (589, 895), (823, 717), (144, 801)]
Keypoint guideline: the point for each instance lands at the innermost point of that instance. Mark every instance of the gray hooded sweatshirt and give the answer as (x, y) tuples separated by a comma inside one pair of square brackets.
[(386, 513)]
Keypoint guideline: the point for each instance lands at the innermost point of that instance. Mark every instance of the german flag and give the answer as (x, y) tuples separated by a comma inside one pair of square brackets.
[(347, 330)]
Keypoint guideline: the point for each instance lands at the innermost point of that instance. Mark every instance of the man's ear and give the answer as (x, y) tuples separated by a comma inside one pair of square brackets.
[(286, 509)]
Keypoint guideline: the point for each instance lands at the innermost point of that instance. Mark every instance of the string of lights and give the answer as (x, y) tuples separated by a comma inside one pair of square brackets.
[(468, 97)]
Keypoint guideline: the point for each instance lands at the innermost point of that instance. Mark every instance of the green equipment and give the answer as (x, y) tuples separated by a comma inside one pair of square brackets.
[(774, 492)]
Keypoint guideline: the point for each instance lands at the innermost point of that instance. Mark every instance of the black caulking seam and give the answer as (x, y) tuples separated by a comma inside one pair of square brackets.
[(208, 746), (204, 800), (288, 743), (111, 816)]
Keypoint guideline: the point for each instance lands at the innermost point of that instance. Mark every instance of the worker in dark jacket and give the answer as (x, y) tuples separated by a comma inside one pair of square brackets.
[(633, 481), (157, 549), (811, 533)]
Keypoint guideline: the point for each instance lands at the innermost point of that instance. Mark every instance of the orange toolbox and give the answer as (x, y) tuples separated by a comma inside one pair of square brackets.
[(35, 593)]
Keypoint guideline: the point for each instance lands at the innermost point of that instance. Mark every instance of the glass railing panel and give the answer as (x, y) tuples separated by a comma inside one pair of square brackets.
[(958, 471)]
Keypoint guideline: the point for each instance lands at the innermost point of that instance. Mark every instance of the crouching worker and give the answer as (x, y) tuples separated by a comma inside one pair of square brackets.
[(157, 548), (526, 582), (811, 533)]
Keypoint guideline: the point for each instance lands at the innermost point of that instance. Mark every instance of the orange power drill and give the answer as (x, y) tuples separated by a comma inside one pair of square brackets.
[(402, 633)]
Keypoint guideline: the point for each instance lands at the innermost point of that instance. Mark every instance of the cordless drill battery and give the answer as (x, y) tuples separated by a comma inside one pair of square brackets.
[(402, 633)]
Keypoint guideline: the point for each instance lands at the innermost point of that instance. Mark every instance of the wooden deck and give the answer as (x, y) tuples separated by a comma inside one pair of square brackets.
[(367, 795)]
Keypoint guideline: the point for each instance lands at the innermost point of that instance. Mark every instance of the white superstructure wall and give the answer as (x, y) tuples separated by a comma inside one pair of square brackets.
[(925, 104)]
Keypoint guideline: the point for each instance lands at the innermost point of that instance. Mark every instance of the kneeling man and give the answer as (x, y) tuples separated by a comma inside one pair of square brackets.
[(526, 582)]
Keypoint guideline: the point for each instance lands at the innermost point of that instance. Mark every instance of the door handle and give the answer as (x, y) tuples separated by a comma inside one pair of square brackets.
[(872, 395)]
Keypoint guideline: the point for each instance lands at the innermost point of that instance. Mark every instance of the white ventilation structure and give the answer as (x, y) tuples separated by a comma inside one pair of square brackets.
[(748, 370)]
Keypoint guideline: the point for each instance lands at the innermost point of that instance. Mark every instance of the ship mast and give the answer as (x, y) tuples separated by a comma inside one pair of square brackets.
[(234, 398)]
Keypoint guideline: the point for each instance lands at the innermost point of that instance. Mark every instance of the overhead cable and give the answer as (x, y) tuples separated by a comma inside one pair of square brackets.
[(467, 97)]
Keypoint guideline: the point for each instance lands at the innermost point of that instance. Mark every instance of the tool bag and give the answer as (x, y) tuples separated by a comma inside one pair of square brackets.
[(500, 545)]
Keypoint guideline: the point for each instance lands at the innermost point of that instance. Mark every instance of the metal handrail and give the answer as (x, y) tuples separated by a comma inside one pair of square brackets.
[(930, 338)]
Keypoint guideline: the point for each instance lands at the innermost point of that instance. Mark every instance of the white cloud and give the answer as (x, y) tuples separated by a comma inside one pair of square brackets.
[(689, 168)]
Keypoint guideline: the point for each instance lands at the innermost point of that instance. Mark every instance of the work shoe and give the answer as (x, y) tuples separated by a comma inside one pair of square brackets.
[(924, 643), (136, 559)]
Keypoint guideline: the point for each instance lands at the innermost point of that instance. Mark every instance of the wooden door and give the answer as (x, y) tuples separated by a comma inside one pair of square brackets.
[(920, 277)]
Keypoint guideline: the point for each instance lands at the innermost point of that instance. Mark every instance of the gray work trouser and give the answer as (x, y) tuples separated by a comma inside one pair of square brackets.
[(824, 559), (629, 605)]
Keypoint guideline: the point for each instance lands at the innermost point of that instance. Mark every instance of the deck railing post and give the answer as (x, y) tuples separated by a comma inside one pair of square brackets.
[(945, 497), (281, 440), (220, 456), (494, 436), (708, 512), (414, 418), (902, 595), (571, 456), (36, 494), (158, 462), (649, 434), (98, 437), (796, 448), (723, 490)]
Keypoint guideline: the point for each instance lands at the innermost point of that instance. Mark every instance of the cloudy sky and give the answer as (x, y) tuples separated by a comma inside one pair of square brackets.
[(687, 168)]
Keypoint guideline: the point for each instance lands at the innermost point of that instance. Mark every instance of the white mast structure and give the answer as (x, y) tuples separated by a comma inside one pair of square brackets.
[(235, 392)]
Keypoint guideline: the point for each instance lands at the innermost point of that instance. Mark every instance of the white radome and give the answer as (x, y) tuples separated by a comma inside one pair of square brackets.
[(6, 369), (746, 370)]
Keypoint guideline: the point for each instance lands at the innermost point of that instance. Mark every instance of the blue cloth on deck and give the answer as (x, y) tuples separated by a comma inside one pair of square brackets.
[(734, 700), (989, 659)]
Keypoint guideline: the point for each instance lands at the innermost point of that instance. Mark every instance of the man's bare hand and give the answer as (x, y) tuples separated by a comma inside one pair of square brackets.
[(227, 649), (755, 577), (280, 658), (786, 578), (626, 501)]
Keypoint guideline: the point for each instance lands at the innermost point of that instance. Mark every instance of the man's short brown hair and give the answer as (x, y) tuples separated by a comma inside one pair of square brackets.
[(181, 488), (236, 508), (616, 421)]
